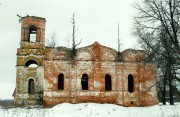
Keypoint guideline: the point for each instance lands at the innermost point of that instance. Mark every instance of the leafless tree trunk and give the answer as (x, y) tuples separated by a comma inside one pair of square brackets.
[(74, 45), (157, 25), (119, 48), (164, 91)]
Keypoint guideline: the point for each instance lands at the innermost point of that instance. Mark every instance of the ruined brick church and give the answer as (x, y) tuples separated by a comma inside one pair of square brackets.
[(47, 76)]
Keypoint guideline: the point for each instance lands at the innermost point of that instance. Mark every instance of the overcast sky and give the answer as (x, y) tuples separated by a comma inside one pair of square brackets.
[(96, 20)]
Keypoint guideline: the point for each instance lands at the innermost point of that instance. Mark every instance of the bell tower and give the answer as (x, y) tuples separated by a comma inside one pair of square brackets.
[(32, 32), (30, 62)]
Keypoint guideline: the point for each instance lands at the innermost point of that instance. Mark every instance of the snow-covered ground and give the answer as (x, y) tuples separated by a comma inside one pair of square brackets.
[(93, 110)]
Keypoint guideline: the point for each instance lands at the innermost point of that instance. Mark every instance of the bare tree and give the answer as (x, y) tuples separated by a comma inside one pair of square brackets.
[(67, 40), (51, 42), (74, 45), (119, 48), (158, 29), (163, 13)]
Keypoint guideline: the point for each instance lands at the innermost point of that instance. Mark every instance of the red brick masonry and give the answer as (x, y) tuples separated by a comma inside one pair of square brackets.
[(96, 61)]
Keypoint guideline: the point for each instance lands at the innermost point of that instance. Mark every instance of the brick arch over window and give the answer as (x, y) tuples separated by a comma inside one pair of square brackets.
[(130, 83), (61, 81), (31, 63), (108, 84), (32, 34), (84, 82), (31, 86)]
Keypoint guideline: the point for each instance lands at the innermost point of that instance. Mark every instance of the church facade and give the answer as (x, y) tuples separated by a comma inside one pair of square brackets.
[(49, 76)]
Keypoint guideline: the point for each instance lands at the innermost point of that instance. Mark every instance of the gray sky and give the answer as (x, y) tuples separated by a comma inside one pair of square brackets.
[(96, 20)]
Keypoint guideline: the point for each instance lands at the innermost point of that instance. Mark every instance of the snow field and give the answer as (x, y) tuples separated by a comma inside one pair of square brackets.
[(93, 110)]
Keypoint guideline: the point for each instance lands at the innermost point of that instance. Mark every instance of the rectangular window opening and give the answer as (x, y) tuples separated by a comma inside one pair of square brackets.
[(33, 37)]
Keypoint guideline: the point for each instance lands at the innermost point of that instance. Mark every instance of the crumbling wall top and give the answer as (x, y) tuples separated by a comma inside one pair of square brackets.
[(38, 22), (33, 17), (131, 55)]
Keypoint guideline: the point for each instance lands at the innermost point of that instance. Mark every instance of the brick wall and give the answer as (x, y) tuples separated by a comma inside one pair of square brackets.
[(95, 61)]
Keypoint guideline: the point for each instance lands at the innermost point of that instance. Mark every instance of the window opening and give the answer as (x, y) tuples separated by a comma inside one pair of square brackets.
[(61, 81), (130, 83), (32, 34), (31, 63), (108, 86), (84, 82), (31, 86)]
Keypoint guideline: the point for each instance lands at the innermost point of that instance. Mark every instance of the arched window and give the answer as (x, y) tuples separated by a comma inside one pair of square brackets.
[(31, 63), (61, 81), (31, 86), (32, 34), (84, 82), (130, 83), (108, 86)]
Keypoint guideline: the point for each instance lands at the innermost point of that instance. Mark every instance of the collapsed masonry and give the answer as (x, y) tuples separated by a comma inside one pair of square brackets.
[(48, 76)]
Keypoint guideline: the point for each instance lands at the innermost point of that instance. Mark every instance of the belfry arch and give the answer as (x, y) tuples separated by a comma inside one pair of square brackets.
[(32, 34), (31, 63)]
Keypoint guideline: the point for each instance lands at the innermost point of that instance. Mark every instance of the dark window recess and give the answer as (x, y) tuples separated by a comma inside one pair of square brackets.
[(130, 83), (61, 81), (31, 86), (31, 63), (84, 82), (108, 86), (32, 34)]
